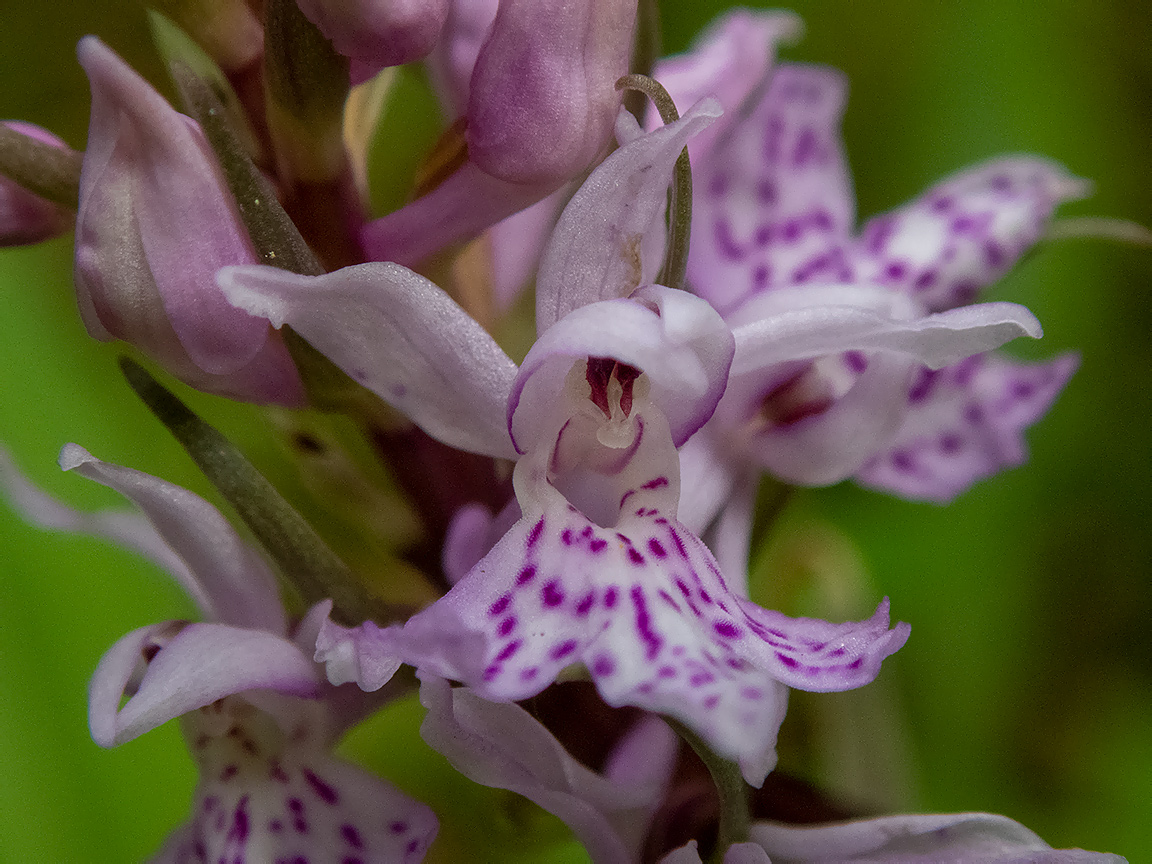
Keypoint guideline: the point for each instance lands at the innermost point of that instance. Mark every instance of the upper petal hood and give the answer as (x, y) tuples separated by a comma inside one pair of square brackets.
[(594, 253), (676, 339)]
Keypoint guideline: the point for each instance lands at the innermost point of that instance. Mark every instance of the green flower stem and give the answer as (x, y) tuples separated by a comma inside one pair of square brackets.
[(675, 267), (50, 172), (304, 559), (730, 786)]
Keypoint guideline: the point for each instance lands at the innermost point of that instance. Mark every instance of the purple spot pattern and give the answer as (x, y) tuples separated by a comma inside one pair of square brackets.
[(965, 423), (286, 800), (775, 209), (774, 206), (643, 606), (964, 233)]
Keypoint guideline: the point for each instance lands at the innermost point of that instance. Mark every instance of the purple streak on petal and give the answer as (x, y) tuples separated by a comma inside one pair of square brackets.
[(316, 807), (625, 635), (234, 580), (201, 664), (785, 196), (969, 427), (595, 252), (401, 337), (814, 655), (926, 839), (967, 231)]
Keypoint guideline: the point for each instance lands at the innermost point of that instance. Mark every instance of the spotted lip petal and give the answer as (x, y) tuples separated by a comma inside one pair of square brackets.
[(682, 345), (400, 336), (773, 201), (965, 232), (155, 223), (595, 252), (965, 423), (643, 606), (503, 746), (273, 794)]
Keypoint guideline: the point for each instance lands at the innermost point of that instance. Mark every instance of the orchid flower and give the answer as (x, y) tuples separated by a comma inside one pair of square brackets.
[(597, 570), (894, 406), (259, 719), (541, 105), (155, 222), (928, 839)]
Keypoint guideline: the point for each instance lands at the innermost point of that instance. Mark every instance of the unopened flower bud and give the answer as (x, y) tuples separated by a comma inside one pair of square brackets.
[(542, 100), (155, 224), (541, 107), (378, 33), (25, 217)]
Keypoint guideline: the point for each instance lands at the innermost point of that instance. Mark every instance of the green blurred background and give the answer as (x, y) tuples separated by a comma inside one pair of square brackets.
[(1026, 687)]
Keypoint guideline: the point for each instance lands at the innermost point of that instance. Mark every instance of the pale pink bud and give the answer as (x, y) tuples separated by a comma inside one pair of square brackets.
[(156, 221), (25, 217), (542, 100), (379, 33)]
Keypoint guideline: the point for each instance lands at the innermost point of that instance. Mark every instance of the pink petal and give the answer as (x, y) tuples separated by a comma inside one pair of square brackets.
[(965, 232), (197, 666), (24, 216), (727, 62), (400, 336), (451, 62), (594, 253), (773, 201), (965, 423), (155, 223), (466, 203), (542, 99), (379, 32), (130, 530), (503, 746), (927, 839)]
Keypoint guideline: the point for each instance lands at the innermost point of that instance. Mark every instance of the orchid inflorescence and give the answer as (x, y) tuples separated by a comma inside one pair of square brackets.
[(708, 320)]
